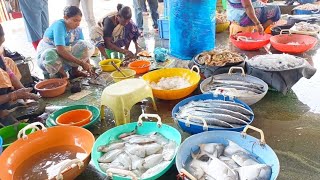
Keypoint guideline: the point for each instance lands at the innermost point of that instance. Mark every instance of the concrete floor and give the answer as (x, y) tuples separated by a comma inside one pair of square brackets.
[(291, 122)]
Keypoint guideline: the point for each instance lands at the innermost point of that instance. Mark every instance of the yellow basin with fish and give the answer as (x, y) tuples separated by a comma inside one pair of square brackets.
[(192, 76)]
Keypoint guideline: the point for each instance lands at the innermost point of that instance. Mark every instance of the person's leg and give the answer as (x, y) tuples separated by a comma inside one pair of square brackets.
[(153, 4), (144, 6), (87, 8), (138, 14)]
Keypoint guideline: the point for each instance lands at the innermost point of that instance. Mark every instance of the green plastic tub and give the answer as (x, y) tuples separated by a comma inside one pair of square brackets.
[(146, 128), (51, 120), (9, 133)]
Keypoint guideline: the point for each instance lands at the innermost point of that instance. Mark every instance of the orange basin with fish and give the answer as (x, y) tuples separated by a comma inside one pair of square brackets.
[(51, 87), (56, 152)]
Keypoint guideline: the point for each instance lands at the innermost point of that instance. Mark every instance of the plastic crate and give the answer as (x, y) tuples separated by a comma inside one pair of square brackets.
[(166, 8), (163, 28)]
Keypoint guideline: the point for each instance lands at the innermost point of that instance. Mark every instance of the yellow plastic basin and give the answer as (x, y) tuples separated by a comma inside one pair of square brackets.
[(155, 76), (107, 66), (222, 27), (117, 76)]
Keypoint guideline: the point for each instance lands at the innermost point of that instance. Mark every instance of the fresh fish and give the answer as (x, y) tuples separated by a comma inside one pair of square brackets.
[(238, 83), (105, 166), (110, 156), (123, 135), (141, 140), (254, 172), (221, 117), (158, 138), (220, 171), (244, 159), (197, 172), (152, 160), (231, 107), (110, 147), (229, 161), (137, 172), (169, 150), (213, 149), (233, 148), (136, 162), (237, 87), (131, 137), (222, 102), (125, 160), (136, 149), (152, 148), (212, 122), (154, 170)]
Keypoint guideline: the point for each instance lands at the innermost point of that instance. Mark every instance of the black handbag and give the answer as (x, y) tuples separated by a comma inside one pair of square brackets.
[(15, 56)]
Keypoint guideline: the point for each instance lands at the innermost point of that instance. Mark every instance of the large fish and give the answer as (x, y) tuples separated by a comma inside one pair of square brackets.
[(237, 83), (214, 149), (220, 171), (212, 122), (243, 88), (254, 172), (244, 159), (233, 148)]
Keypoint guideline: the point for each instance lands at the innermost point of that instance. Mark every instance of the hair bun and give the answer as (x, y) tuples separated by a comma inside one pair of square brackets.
[(119, 6)]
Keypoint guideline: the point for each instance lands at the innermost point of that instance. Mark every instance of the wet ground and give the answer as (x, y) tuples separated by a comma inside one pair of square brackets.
[(291, 122)]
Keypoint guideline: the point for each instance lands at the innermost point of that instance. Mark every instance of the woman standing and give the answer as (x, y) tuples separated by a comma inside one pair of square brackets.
[(252, 13), (63, 49), (36, 19), (115, 32)]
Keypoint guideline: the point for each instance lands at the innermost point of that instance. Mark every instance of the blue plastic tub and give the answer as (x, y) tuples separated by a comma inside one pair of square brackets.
[(196, 128), (1, 144), (306, 1), (300, 11), (264, 153)]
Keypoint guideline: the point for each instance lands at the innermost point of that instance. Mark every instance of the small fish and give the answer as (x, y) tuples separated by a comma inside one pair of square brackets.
[(233, 148), (141, 140), (125, 160), (244, 159), (152, 160), (152, 148), (169, 150), (107, 148), (105, 166), (136, 162), (123, 135), (110, 156), (154, 170), (136, 149), (158, 138), (253, 172)]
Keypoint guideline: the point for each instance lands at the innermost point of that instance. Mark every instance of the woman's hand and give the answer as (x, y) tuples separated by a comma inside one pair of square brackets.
[(23, 93), (260, 28), (128, 54), (86, 67)]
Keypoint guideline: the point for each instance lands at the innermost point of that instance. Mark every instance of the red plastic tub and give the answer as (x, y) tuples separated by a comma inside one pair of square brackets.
[(255, 40)]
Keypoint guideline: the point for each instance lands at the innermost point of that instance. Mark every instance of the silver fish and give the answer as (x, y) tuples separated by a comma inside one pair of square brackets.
[(152, 148), (107, 148), (253, 172), (238, 83), (152, 160), (212, 122), (136, 162), (233, 148), (237, 87), (228, 161), (154, 170), (158, 138), (213, 149), (105, 166), (197, 172), (136, 149), (244, 159), (169, 150), (110, 156), (141, 140), (125, 160), (123, 135), (220, 171)]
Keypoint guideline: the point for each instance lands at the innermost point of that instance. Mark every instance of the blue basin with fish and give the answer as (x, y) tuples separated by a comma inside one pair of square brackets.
[(194, 128), (262, 152)]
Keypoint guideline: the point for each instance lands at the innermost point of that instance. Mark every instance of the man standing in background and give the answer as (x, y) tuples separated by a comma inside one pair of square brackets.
[(87, 9), (138, 7), (36, 19)]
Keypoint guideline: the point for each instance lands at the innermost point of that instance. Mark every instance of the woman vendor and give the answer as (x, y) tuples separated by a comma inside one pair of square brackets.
[(116, 31), (63, 49), (11, 88), (252, 13)]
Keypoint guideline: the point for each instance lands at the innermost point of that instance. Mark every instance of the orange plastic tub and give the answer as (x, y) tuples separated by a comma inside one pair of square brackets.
[(140, 66), (51, 87), (78, 117), (40, 141)]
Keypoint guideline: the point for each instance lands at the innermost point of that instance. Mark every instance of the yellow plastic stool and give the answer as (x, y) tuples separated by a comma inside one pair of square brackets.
[(235, 28), (121, 96)]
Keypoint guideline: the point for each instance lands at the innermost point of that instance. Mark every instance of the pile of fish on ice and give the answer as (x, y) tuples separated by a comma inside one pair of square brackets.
[(144, 155), (276, 62), (216, 161), (217, 113), (241, 87)]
